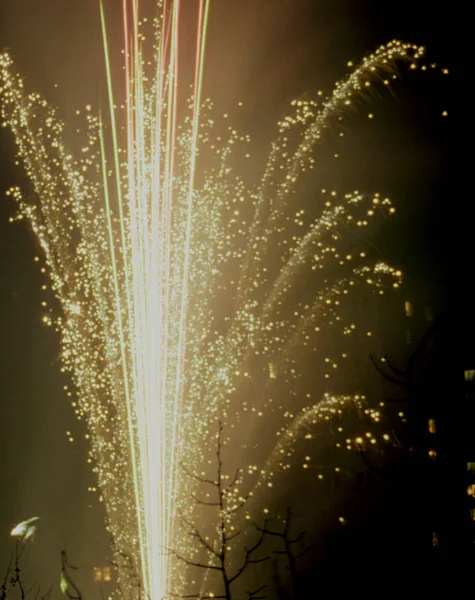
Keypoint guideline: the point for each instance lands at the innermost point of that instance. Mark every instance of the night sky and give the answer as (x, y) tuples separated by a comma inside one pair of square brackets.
[(263, 52)]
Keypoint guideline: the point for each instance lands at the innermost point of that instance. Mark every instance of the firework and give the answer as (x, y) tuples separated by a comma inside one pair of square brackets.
[(175, 276)]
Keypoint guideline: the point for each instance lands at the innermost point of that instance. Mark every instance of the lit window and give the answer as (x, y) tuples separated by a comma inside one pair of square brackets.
[(408, 337), (432, 426), (469, 375), (272, 371), (472, 514), (432, 454), (471, 489), (102, 574), (408, 308), (471, 467), (435, 538)]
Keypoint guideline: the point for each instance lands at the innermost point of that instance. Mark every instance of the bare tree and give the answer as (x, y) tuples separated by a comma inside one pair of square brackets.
[(219, 559), (288, 549), (6, 578), (13, 580), (125, 563)]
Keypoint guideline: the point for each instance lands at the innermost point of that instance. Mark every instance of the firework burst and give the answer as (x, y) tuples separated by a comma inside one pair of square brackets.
[(175, 276)]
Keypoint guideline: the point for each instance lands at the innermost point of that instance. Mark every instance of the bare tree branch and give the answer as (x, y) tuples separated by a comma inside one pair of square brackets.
[(5, 579), (232, 535), (226, 506), (394, 369), (387, 376), (197, 477), (203, 502), (248, 556), (233, 482), (287, 550), (196, 534), (252, 595), (194, 564)]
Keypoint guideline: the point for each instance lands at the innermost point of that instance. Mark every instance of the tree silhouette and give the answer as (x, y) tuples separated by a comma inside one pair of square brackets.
[(13, 583), (288, 544), (219, 558)]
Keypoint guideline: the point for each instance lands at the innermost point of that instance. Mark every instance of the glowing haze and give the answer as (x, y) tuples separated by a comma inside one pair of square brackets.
[(174, 274)]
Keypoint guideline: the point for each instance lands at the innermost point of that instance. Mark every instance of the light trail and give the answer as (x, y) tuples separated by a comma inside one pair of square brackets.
[(146, 231)]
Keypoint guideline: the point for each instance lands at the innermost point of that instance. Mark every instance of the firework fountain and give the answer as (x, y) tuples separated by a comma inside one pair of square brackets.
[(173, 273)]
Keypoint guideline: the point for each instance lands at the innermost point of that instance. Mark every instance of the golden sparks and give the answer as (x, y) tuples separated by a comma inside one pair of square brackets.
[(175, 276)]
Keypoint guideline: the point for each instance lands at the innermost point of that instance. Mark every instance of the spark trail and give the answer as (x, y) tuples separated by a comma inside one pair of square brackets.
[(147, 237)]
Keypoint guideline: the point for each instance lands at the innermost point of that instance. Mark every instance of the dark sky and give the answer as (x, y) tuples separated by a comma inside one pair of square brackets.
[(263, 52)]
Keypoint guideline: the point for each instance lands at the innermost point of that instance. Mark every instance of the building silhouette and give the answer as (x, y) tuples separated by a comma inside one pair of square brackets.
[(441, 386)]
